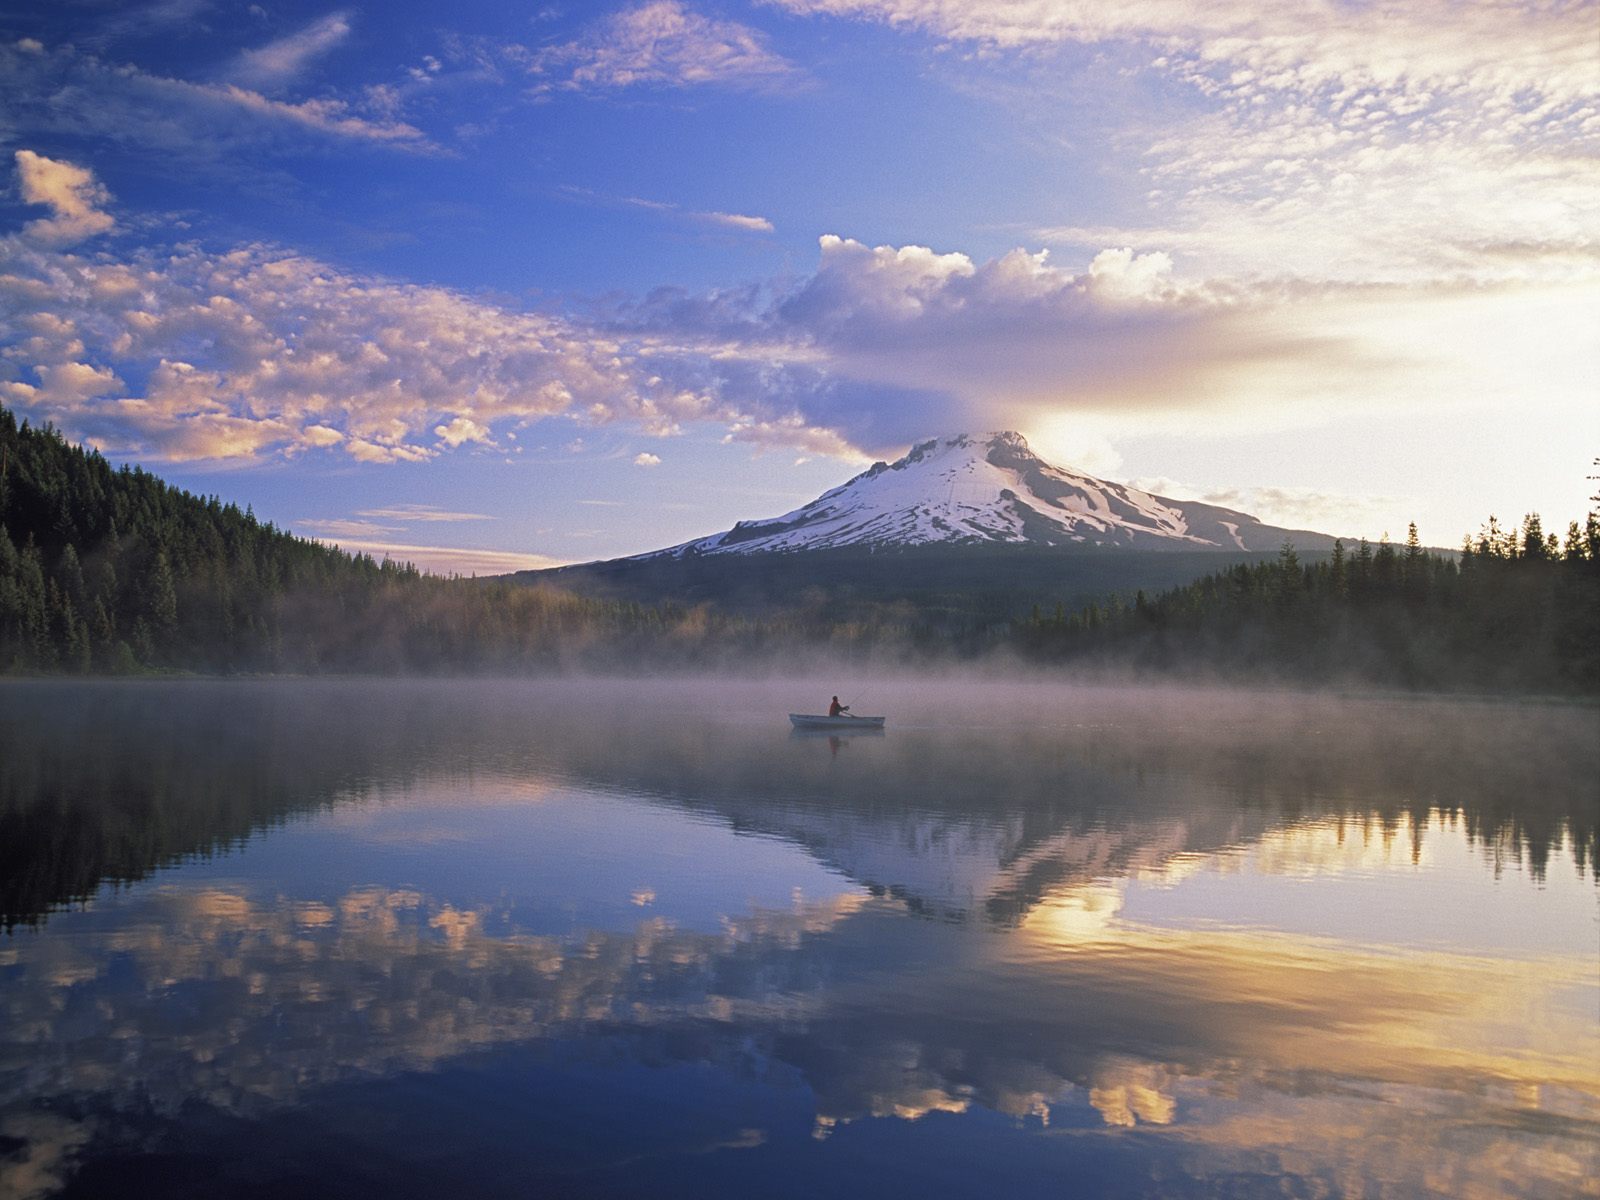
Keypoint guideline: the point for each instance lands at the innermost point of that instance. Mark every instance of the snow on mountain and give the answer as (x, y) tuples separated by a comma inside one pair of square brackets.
[(978, 488)]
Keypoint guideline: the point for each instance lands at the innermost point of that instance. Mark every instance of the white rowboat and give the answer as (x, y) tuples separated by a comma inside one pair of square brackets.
[(819, 721)]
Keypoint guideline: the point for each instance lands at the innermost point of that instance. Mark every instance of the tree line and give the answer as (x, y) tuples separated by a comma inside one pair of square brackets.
[(112, 571), (1518, 609)]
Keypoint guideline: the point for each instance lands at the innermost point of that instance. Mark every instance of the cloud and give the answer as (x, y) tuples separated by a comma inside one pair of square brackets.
[(144, 20), (646, 459), (1291, 507), (460, 430), (421, 512), (735, 221), (1284, 48), (885, 344), (445, 560), (1284, 138), (64, 91), (182, 353), (740, 221), (660, 44), (283, 60), (72, 194), (729, 220), (340, 527)]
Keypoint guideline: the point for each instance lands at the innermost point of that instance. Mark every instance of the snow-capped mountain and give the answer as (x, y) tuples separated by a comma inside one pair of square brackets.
[(977, 488)]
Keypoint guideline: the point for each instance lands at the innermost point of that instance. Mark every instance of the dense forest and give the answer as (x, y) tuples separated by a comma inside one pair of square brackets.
[(1518, 610), (110, 570), (107, 570)]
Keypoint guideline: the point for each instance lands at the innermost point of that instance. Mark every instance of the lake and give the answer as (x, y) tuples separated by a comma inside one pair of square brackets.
[(624, 938)]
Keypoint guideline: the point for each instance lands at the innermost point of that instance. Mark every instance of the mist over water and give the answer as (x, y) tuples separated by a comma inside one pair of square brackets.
[(630, 937)]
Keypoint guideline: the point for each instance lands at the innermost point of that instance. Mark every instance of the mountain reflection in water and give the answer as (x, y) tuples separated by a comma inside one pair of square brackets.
[(602, 939)]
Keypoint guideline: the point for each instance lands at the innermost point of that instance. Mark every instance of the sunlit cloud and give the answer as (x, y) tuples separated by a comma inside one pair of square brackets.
[(73, 195), (1307, 140), (646, 459), (343, 527), (660, 44), (438, 560), (186, 353), (421, 512)]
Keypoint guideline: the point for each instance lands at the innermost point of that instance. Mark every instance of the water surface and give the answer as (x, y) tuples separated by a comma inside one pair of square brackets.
[(626, 939)]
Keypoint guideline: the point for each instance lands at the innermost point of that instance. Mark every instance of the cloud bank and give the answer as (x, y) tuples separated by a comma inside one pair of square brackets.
[(183, 352)]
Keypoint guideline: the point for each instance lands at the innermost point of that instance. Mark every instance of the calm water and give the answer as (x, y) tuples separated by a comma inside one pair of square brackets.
[(407, 939)]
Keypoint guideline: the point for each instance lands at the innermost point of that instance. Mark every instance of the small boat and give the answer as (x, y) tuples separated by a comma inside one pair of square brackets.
[(821, 721)]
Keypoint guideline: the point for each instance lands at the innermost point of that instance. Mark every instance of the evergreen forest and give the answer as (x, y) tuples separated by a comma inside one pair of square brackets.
[(109, 570)]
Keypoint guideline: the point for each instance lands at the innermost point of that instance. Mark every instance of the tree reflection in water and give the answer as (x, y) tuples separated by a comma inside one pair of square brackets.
[(620, 941)]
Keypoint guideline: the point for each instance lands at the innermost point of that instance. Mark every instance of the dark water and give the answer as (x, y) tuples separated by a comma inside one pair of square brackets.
[(361, 939)]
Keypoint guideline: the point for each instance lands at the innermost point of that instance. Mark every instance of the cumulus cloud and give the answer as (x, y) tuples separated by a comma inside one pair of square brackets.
[(286, 58), (460, 430), (646, 459), (186, 353), (65, 91), (660, 44), (886, 343), (72, 194)]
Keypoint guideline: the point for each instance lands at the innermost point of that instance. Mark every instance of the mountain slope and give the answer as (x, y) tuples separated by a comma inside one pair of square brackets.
[(990, 488)]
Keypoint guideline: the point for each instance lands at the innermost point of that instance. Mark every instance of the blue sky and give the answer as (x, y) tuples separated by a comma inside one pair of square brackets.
[(493, 284)]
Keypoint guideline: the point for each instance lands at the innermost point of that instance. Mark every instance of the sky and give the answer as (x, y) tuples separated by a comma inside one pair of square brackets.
[(490, 285)]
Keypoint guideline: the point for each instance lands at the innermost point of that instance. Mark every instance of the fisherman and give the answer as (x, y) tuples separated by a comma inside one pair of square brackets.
[(836, 709)]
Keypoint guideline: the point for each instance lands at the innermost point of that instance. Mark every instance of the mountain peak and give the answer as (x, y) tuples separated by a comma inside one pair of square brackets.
[(990, 487)]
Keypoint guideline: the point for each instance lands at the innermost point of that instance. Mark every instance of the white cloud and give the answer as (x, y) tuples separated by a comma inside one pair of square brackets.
[(1399, 139), (183, 353), (460, 430), (660, 44), (1392, 42), (740, 221), (71, 193), (735, 221), (286, 58), (646, 459)]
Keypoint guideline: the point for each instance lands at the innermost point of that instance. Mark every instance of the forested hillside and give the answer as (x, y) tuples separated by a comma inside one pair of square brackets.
[(1518, 610), (108, 569)]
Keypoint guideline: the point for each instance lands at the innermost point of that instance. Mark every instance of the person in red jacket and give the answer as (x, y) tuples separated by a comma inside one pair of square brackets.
[(836, 709)]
